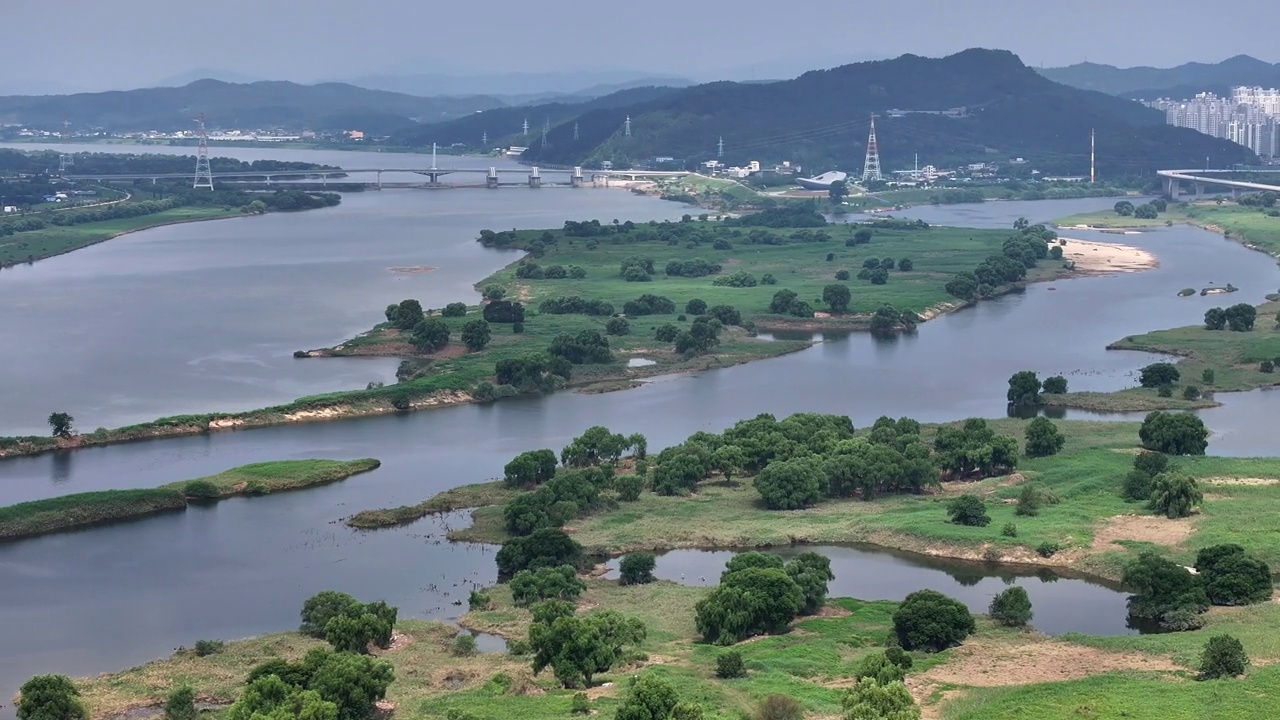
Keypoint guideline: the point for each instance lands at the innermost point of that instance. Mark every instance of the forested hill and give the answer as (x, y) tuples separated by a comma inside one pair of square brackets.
[(1177, 82), (820, 120), (327, 106)]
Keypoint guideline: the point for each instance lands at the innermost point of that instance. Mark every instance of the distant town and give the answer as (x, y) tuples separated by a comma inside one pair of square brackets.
[(1250, 117)]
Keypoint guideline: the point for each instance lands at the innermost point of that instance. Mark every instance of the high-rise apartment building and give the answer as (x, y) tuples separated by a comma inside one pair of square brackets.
[(1250, 117)]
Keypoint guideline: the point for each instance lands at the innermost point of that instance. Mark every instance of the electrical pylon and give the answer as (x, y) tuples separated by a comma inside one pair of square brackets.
[(871, 166), (204, 175)]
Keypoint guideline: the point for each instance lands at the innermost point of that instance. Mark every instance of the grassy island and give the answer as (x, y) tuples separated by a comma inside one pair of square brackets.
[(40, 517)]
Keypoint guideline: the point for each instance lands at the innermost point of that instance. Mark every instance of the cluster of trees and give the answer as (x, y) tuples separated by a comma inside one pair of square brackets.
[(532, 373), (1146, 211), (758, 594), (1025, 388), (799, 215), (429, 334), (1265, 199), (323, 685), (787, 302), (588, 346), (742, 279), (578, 646), (636, 269), (649, 304), (532, 271), (346, 623), (504, 312), (1239, 318), (1174, 433), (694, 268), (1019, 253), (1169, 596), (1164, 488)]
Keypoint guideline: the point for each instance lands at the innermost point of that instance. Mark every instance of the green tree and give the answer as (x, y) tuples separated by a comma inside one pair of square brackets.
[(879, 276), (1240, 317), (463, 645), (1043, 438), (930, 621), (322, 607), (1157, 374), (791, 484), (1174, 433), (545, 547), (454, 309), (1164, 592), (60, 423), (696, 307), (871, 700), (405, 315), (628, 487), (617, 326), (1011, 607), (181, 704), (50, 697), (1124, 208), (1055, 385), (728, 460), (1215, 319), (968, 510), (862, 236), (430, 335), (354, 632), (547, 583), (475, 334), (1223, 657), (637, 568), (812, 572), (837, 192), (905, 265), (530, 468), (576, 647), (749, 601), (648, 697), (837, 297), (1175, 494), (729, 665), (351, 682), (1029, 501), (1232, 577), (1024, 389)]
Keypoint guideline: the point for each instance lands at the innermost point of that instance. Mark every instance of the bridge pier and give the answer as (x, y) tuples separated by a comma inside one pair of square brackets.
[(1172, 188), (491, 180), (535, 179), (1199, 190), (576, 180)]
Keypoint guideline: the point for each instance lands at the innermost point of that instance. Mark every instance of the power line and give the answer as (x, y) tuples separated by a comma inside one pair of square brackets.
[(204, 174)]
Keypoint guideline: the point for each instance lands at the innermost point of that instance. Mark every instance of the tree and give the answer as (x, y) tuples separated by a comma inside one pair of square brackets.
[(1174, 433), (351, 682), (322, 607), (862, 236), (930, 621), (871, 700), (729, 665), (430, 335), (1223, 657), (548, 583), (968, 510), (454, 309), (475, 335), (695, 307), (1011, 607), (530, 468), (1175, 494), (837, 297), (648, 697), (544, 547), (748, 602), (60, 423), (1157, 374), (405, 315), (50, 697), (838, 191), (617, 326), (791, 484), (1240, 318), (637, 568), (628, 487), (1055, 385), (879, 276), (1145, 212), (353, 632), (812, 572), (1024, 389), (1043, 438), (779, 707), (181, 704), (1164, 592), (905, 265), (1232, 577), (1124, 208), (1215, 319), (576, 647)]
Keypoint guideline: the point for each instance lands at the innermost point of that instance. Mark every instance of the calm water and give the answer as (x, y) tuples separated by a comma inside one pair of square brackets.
[(205, 316)]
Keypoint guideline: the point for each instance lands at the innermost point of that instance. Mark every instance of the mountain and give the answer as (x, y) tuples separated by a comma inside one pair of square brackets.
[(1177, 82), (546, 84), (326, 106), (820, 120)]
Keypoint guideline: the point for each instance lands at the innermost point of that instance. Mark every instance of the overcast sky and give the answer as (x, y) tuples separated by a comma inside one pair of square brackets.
[(60, 45)]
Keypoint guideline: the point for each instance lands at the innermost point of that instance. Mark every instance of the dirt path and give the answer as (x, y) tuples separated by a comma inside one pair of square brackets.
[(1142, 528)]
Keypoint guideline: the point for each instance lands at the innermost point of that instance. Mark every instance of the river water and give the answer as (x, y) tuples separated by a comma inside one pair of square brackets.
[(204, 316)]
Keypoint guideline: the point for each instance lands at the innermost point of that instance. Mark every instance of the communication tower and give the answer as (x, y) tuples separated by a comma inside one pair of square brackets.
[(871, 167), (204, 175)]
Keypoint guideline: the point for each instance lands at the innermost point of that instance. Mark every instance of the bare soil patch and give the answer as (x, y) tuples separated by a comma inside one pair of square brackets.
[(1142, 528), (412, 270), (1241, 481), (988, 663), (1096, 257)]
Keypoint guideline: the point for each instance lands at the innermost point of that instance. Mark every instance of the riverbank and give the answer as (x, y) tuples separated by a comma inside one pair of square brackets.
[(67, 512), (54, 240), (813, 661), (1092, 528)]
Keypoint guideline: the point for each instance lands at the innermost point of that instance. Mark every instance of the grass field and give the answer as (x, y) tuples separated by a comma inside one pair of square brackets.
[(1241, 223), (41, 517), (55, 240)]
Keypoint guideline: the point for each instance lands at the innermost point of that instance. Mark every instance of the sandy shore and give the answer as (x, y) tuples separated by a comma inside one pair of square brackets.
[(1098, 257)]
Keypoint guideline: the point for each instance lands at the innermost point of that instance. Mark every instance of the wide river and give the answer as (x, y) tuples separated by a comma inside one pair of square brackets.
[(205, 316)]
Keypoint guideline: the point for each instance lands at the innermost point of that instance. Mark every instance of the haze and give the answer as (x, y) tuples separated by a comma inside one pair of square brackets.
[(124, 44)]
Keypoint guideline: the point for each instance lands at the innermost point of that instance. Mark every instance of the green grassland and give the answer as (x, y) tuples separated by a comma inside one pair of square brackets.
[(812, 662), (1086, 476), (1250, 225), (56, 240), (40, 517)]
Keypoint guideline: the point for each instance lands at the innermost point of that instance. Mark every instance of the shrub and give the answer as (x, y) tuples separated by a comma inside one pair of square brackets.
[(1011, 608), (768, 279), (517, 328), (1174, 433), (200, 489), (1223, 657), (1175, 494), (637, 568), (842, 274), (1043, 438), (880, 668), (1047, 549), (729, 665), (464, 645), (617, 326), (1158, 374), (455, 309), (1165, 391), (580, 704), (968, 510), (1029, 501), (930, 621), (790, 484), (479, 601), (898, 656), (628, 487), (666, 333), (1009, 530), (546, 583), (1267, 366), (879, 276), (181, 704), (324, 606), (905, 265), (695, 307), (1232, 577), (50, 697), (1191, 392), (779, 707), (209, 647), (1055, 385)]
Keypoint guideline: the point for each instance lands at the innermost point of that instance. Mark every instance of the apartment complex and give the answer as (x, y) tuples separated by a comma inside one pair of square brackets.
[(1250, 117)]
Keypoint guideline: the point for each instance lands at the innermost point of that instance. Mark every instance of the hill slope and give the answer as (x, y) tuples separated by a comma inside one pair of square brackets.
[(1181, 81), (253, 105), (820, 120)]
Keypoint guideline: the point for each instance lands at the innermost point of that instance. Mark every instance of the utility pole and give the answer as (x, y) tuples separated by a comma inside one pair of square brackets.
[(627, 127), (1093, 159), (204, 175), (720, 147)]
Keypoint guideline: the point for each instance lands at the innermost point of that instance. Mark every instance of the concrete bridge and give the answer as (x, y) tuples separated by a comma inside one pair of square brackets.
[(493, 176), (1201, 179)]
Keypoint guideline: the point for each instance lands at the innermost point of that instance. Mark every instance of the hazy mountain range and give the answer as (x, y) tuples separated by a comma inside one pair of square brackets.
[(1178, 82)]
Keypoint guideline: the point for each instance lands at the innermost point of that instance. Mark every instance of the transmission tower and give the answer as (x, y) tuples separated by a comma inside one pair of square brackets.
[(720, 147), (575, 131), (484, 139), (627, 127), (65, 161), (204, 175), (546, 127), (526, 127), (871, 166)]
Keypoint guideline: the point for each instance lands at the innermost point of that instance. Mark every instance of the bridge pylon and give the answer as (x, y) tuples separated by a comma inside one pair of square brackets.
[(576, 180), (491, 180), (535, 178)]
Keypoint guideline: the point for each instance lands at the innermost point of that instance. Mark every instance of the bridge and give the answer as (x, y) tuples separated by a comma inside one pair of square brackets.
[(1201, 179), (532, 175)]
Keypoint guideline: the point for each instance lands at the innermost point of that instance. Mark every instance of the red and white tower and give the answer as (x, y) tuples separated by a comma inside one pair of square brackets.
[(871, 166)]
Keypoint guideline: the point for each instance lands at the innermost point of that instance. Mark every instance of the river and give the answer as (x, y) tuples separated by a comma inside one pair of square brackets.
[(204, 316)]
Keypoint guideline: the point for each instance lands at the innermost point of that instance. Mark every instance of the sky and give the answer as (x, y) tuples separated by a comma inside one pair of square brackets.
[(60, 46)]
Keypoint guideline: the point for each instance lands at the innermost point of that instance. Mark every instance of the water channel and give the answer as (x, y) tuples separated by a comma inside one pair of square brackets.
[(203, 316)]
